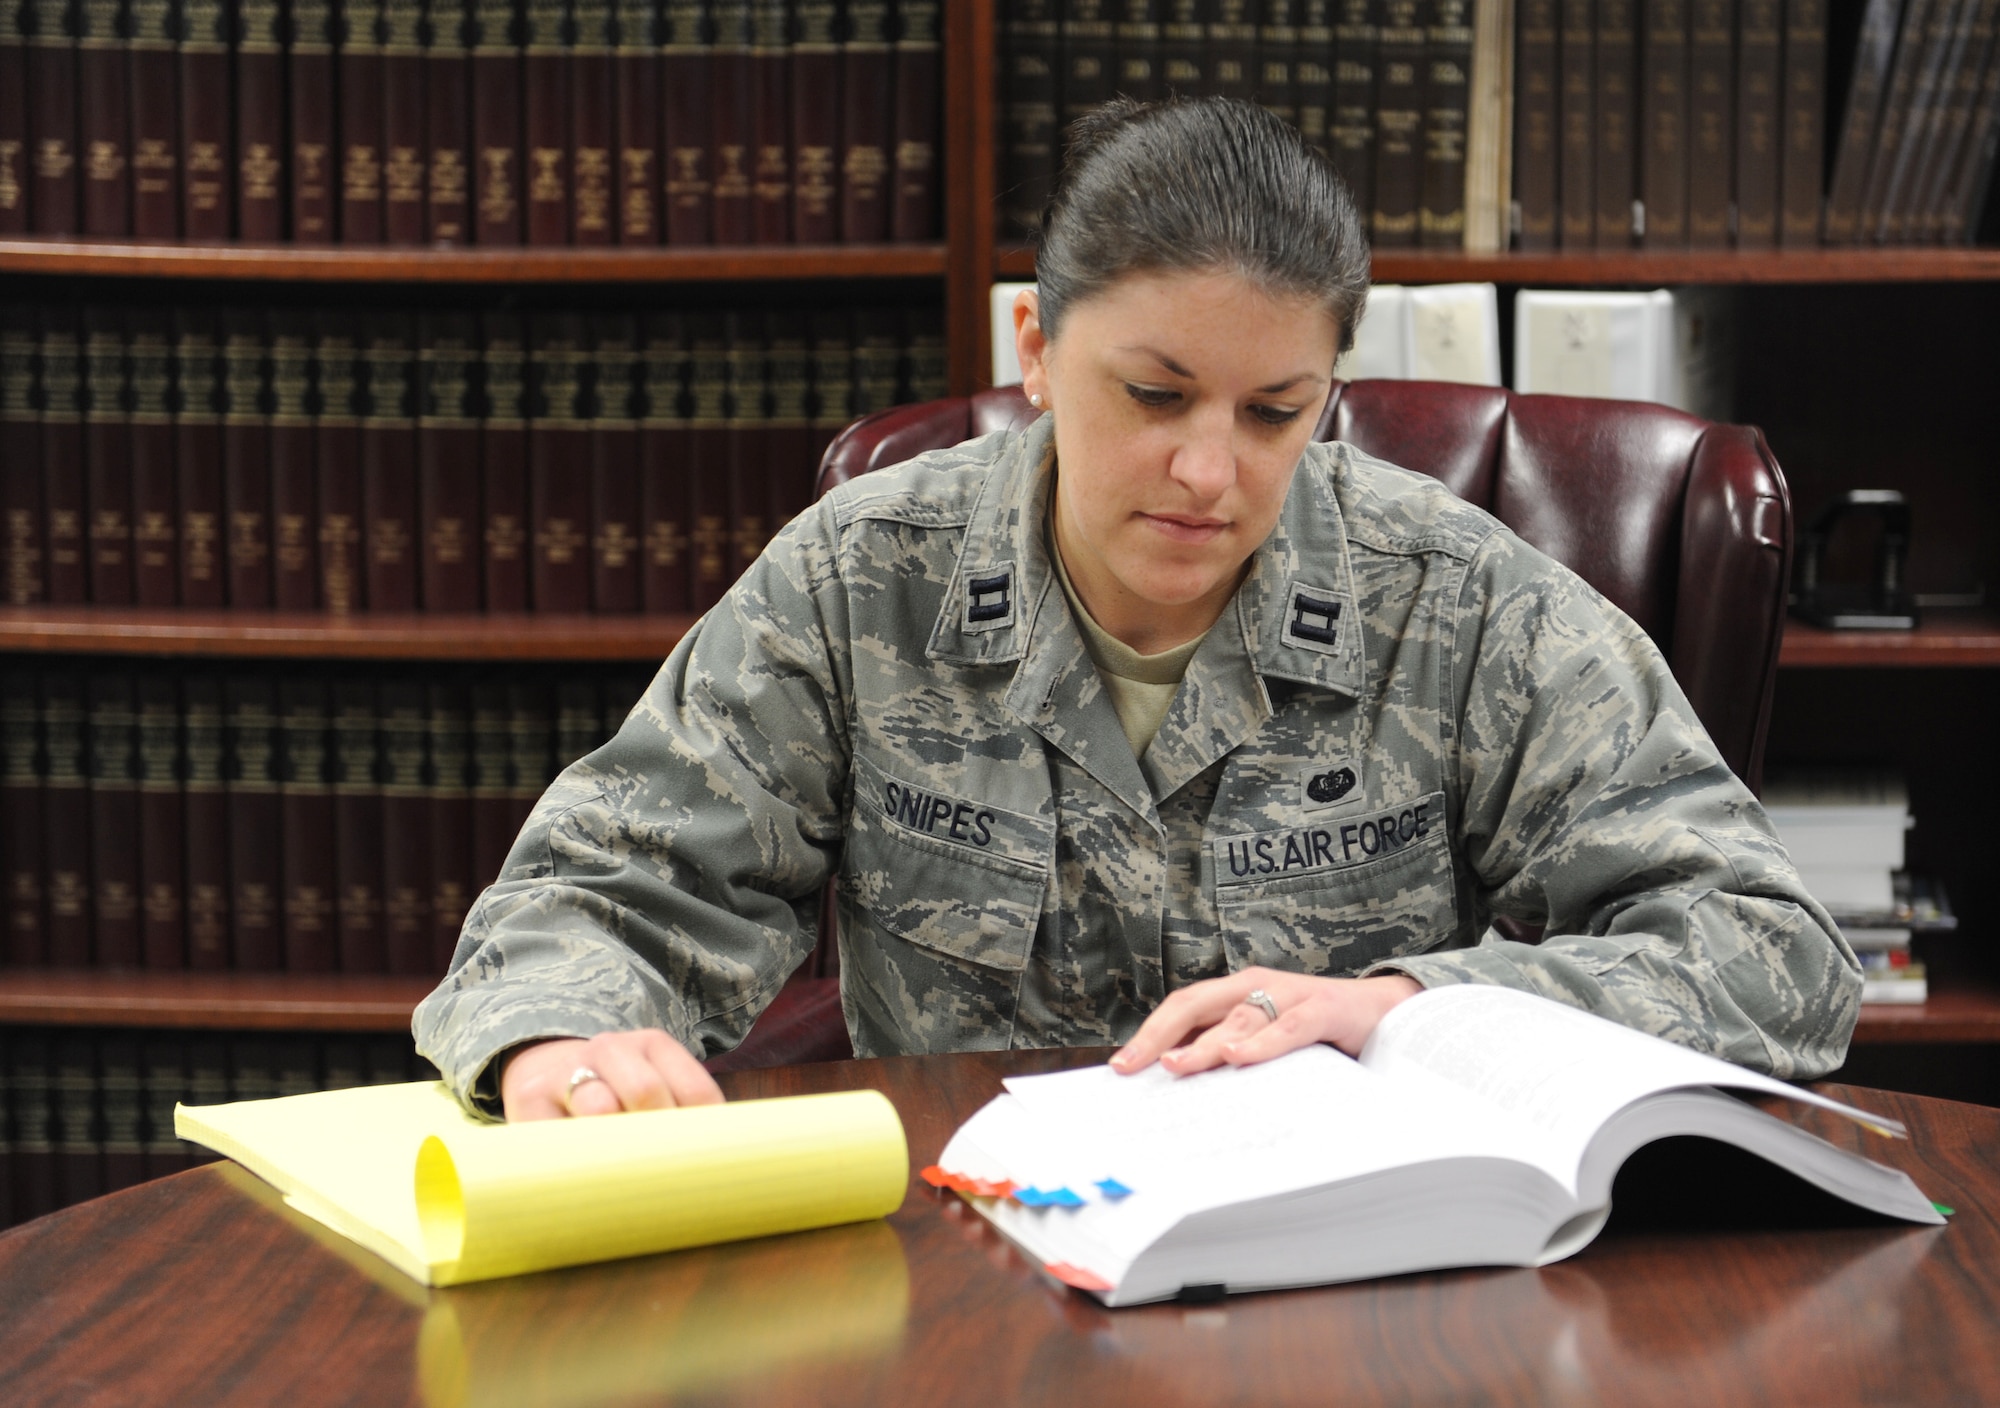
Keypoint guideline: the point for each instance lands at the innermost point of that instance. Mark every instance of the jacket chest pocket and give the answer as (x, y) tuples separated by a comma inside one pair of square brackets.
[(936, 931), (1330, 898)]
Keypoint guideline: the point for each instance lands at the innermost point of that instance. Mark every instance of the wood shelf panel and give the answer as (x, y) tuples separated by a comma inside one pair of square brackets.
[(320, 1002), (1961, 1012), (291, 263), (317, 636), (1792, 266), (1942, 638)]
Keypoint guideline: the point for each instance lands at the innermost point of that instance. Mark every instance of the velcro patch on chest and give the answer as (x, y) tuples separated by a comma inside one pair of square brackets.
[(989, 597), (1331, 845), (1312, 618), (934, 814), (1332, 785), (913, 807)]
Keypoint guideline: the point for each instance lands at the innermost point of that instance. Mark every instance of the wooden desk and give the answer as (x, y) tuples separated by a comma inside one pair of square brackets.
[(204, 1289)]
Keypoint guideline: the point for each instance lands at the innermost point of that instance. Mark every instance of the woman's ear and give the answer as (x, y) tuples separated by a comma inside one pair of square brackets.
[(1032, 348)]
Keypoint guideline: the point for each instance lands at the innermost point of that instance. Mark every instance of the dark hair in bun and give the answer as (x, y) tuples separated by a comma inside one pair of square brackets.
[(1197, 184)]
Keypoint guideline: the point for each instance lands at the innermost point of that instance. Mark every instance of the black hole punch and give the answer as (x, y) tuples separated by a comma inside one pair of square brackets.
[(1316, 619), (989, 595)]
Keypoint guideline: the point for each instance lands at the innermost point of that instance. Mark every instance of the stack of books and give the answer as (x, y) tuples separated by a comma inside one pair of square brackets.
[(1439, 332), (1844, 829), (1672, 346)]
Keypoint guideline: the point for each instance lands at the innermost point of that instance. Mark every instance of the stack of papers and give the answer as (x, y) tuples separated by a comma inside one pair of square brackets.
[(1844, 829), (403, 1171)]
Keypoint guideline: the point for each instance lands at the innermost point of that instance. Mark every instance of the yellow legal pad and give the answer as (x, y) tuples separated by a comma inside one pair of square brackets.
[(405, 1172)]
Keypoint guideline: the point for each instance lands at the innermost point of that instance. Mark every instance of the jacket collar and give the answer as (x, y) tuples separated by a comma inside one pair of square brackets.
[(1003, 579), (1297, 609)]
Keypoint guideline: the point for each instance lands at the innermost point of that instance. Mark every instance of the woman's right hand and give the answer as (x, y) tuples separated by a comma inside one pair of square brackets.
[(646, 1070)]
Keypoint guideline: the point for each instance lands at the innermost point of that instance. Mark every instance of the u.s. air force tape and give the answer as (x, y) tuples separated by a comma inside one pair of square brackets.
[(1331, 845)]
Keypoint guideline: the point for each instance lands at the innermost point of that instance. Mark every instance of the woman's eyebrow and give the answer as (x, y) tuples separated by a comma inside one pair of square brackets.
[(1178, 370), (1288, 383), (1162, 358)]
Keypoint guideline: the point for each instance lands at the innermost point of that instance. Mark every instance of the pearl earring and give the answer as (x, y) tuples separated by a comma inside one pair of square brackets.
[(1036, 400)]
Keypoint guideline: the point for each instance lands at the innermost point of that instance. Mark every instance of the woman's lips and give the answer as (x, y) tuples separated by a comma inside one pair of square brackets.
[(1186, 530)]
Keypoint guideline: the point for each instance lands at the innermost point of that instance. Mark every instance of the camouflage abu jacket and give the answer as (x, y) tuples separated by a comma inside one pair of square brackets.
[(1406, 722)]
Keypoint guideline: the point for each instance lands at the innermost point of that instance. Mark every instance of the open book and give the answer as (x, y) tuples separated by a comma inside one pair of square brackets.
[(405, 1172), (1480, 1127)]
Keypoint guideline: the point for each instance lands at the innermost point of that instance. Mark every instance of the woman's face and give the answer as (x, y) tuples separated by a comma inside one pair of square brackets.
[(1182, 402)]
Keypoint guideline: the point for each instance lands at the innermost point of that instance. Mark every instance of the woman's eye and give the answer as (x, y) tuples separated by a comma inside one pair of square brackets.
[(1151, 395), (1275, 415)]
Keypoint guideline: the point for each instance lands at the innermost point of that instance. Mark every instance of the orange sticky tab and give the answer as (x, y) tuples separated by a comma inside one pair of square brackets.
[(1076, 1276), (940, 1177)]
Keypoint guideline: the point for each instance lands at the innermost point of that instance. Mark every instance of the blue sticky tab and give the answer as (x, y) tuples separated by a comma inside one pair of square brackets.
[(1112, 1188), (1046, 1198)]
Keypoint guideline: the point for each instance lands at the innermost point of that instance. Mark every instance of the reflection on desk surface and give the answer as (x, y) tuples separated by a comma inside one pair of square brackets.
[(1584, 1332), (772, 1309), (1849, 1311)]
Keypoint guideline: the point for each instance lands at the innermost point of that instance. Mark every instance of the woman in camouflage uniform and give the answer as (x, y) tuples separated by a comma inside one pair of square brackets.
[(1154, 724)]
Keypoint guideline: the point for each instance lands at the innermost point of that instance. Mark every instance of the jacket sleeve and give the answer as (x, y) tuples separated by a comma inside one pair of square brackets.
[(1592, 801), (672, 878)]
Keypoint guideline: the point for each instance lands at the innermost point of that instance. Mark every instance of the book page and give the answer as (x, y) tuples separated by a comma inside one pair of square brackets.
[(1559, 1071), (1234, 1133)]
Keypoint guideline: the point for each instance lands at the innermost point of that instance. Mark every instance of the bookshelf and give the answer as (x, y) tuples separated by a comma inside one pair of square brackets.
[(334, 264), (1942, 640), (1592, 268), (278, 635), (1969, 1012), (1865, 366), (308, 1002)]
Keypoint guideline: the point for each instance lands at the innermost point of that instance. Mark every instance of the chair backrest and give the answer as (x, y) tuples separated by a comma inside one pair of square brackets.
[(1685, 524)]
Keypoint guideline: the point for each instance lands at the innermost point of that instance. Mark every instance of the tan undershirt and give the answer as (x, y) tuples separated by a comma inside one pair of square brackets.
[(1142, 687)]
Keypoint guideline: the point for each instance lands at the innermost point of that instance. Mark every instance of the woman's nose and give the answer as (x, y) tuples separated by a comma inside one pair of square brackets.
[(1205, 464)]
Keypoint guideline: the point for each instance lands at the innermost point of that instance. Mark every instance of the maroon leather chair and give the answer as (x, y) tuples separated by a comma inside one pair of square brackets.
[(1686, 525)]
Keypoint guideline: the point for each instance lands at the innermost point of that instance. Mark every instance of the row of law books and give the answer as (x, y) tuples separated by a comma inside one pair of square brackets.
[(1711, 123), (1391, 90), (304, 821), (388, 461), (84, 1112), (1605, 124), (459, 122)]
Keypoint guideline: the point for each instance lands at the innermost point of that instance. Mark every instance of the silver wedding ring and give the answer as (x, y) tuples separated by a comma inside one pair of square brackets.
[(1260, 998), (582, 1075)]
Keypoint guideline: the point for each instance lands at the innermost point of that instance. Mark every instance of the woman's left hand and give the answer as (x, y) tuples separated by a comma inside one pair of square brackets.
[(1342, 1011)]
